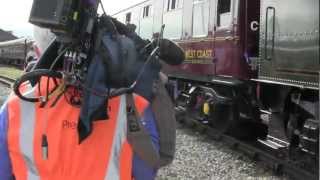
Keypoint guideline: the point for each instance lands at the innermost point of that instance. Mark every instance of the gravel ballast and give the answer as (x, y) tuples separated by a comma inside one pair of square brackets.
[(198, 157)]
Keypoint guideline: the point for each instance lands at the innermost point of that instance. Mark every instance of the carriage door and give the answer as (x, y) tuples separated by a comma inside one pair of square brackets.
[(172, 18), (200, 18), (201, 46), (290, 42), (251, 11), (146, 21)]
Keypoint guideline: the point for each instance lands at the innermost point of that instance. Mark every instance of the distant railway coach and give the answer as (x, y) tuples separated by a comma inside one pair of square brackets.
[(14, 52), (251, 69)]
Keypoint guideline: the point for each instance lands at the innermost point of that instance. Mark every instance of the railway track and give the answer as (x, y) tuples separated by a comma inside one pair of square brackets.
[(6, 81), (253, 149)]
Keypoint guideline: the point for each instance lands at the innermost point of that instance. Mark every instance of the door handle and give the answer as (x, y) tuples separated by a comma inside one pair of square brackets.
[(266, 33)]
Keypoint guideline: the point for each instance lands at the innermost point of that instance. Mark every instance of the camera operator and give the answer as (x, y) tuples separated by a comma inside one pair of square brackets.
[(94, 106), (105, 154)]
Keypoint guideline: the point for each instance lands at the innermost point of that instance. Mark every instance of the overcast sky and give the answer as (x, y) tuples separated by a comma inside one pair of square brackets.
[(14, 14)]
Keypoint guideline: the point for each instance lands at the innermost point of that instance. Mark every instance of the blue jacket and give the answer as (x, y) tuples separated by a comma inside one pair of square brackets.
[(141, 170)]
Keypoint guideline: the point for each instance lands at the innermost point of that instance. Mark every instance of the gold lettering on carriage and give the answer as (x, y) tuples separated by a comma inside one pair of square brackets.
[(199, 54)]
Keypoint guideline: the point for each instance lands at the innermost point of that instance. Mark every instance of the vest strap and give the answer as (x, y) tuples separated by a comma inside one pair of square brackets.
[(163, 109), (137, 136)]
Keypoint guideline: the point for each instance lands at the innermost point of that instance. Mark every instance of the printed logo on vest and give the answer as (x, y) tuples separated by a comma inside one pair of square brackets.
[(66, 124)]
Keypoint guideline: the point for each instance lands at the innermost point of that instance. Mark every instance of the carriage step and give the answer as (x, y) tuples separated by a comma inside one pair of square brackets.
[(274, 146)]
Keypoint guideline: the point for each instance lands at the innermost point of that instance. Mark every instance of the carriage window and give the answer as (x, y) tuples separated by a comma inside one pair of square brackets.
[(224, 13), (173, 4), (128, 18), (200, 17), (146, 11)]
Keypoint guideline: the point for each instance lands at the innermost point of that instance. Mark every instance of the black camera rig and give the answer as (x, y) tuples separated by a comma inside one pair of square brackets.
[(97, 56), (73, 23)]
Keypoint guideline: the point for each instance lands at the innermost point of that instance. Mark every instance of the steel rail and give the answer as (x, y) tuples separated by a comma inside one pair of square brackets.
[(6, 81)]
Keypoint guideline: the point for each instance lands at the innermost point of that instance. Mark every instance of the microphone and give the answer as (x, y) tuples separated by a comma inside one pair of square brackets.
[(170, 52)]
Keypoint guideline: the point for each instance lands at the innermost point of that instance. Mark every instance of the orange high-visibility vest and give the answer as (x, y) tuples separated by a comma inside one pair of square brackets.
[(105, 154)]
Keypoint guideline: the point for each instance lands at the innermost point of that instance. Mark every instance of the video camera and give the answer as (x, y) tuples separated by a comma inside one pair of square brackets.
[(97, 56), (79, 30)]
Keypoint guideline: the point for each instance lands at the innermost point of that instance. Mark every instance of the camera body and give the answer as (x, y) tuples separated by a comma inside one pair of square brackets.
[(53, 14), (67, 19)]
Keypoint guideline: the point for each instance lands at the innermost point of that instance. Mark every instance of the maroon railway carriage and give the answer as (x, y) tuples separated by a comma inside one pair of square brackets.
[(210, 49), (251, 67)]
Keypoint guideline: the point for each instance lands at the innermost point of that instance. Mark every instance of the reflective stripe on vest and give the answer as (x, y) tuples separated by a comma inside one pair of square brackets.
[(20, 140), (24, 136), (118, 140), (27, 110)]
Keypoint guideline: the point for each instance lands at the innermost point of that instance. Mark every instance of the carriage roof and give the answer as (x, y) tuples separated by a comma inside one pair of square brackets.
[(15, 42)]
